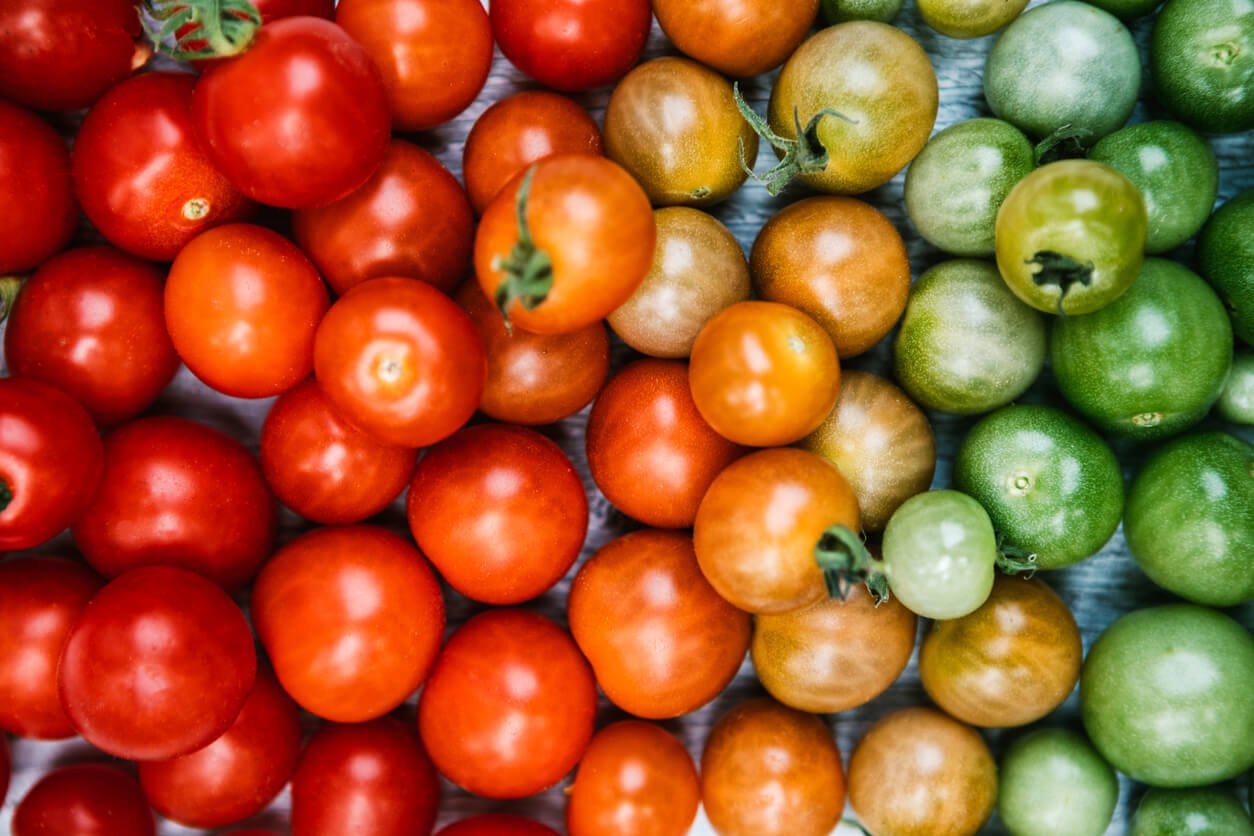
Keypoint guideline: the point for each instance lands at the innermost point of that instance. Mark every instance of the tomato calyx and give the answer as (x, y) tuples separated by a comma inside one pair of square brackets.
[(1013, 560), (215, 28), (1066, 143), (10, 286), (804, 155), (1061, 270), (845, 561), (528, 269)]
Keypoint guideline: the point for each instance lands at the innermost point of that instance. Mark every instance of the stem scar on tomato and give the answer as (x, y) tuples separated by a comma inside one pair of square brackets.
[(804, 155), (528, 269), (225, 27), (1061, 270)]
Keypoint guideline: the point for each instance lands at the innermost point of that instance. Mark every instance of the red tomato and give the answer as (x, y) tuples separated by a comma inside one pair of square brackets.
[(572, 45), (510, 706), (301, 119), (370, 778), (352, 620), (384, 229), (517, 131), (400, 360), (178, 493), (37, 209), (496, 824), (86, 799), (141, 174), (238, 774), (158, 665), (434, 54), (91, 322), (323, 467), (40, 599), (50, 462), (500, 511)]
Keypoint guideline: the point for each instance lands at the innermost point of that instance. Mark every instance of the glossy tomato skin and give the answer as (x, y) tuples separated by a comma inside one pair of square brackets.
[(91, 321), (496, 824), (510, 706), (736, 38), (314, 134), (358, 587), (1053, 781), (383, 229), (40, 600), (323, 467), (141, 174), (39, 212), (365, 778), (85, 799), (50, 462), (239, 773), (158, 665)]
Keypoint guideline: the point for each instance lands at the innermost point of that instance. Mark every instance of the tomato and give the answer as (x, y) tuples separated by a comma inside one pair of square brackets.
[(141, 174), (499, 510), (698, 270), (673, 124), (918, 771), (535, 378), (85, 799), (158, 665), (50, 462), (40, 600), (178, 493), (366, 778), (91, 322), (38, 213), (382, 230), (758, 525), (634, 780), (1201, 811), (1236, 404), (63, 54), (660, 639), (1201, 59), (496, 824), (434, 54), (584, 245), (767, 769), (763, 373), (649, 450), (1053, 781), (843, 11), (737, 38), (239, 773), (967, 345), (351, 618), (1065, 65), (571, 45), (969, 18), (834, 655), (1190, 518), (400, 360), (1225, 256), (310, 136), (1152, 363)]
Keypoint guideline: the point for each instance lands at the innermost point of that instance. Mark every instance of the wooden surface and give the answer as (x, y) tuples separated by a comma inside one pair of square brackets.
[(1098, 590)]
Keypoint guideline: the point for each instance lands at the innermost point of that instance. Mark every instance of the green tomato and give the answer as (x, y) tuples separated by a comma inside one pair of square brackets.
[(966, 345), (842, 11), (1202, 63), (1225, 256), (1176, 172), (969, 18), (1071, 236), (1064, 64), (1165, 696), (1236, 404), (1054, 782), (959, 180), (1191, 812), (1050, 484), (1127, 9), (1190, 518), (1152, 363)]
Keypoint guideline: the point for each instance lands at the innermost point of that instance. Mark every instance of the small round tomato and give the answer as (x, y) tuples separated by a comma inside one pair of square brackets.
[(38, 214), (496, 824), (843, 11), (85, 799), (1202, 63), (1201, 810), (969, 18), (357, 587), (1053, 781), (1225, 256), (400, 360), (737, 38), (1236, 404)]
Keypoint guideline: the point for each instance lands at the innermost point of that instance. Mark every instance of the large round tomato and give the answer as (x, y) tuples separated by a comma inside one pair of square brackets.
[(735, 37), (84, 799), (38, 213)]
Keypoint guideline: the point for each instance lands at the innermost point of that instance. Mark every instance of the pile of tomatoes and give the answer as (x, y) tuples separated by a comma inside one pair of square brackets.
[(332, 476)]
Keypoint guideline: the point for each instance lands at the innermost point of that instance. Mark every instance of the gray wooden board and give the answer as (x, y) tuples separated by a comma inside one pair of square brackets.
[(1098, 590)]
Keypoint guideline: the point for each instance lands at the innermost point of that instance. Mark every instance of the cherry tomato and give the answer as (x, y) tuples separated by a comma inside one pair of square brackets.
[(496, 824), (969, 18), (1053, 781), (735, 37), (1201, 64), (1194, 810), (510, 706), (85, 799), (1225, 256), (38, 214), (50, 462), (351, 618)]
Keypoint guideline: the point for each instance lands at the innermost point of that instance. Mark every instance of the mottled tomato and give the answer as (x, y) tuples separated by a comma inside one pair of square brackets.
[(496, 824), (735, 37), (843, 11), (1053, 781), (969, 18), (85, 799), (38, 213)]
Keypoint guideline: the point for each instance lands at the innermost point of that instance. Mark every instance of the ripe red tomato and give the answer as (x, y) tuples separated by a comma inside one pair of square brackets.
[(739, 38), (85, 799), (90, 322), (37, 209), (50, 462), (500, 511), (383, 230), (400, 360), (352, 619), (301, 119), (178, 493), (141, 174), (510, 706), (323, 467), (158, 665)]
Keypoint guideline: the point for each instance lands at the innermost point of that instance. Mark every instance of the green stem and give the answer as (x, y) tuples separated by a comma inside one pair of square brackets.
[(1065, 143), (528, 269), (225, 27), (1061, 270), (10, 286), (804, 155), (6, 495), (845, 561), (1013, 560)]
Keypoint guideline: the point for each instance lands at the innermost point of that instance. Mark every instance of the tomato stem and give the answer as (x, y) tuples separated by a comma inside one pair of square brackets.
[(6, 495), (1061, 270), (1013, 560), (845, 560), (803, 155), (10, 286), (225, 27), (528, 269), (1065, 143)]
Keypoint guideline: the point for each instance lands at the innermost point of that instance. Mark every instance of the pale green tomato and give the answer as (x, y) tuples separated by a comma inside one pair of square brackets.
[(1236, 404), (1054, 782)]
